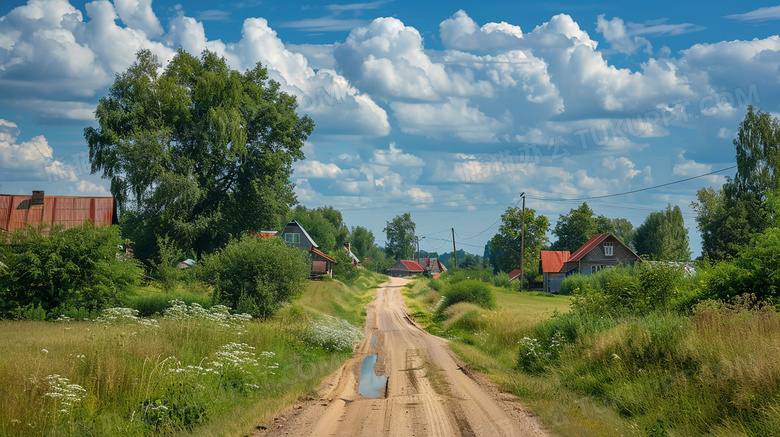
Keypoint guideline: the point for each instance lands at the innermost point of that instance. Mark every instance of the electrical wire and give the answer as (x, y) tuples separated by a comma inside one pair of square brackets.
[(578, 199)]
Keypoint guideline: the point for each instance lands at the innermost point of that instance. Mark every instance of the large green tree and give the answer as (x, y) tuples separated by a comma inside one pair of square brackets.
[(728, 218), (362, 241), (663, 236), (400, 237), (575, 228), (728, 223), (196, 151), (505, 245), (579, 225)]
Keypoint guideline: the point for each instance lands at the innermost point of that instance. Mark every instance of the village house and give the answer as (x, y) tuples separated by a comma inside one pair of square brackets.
[(295, 235), (515, 274), (19, 211), (405, 268), (601, 251), (551, 263), (432, 266)]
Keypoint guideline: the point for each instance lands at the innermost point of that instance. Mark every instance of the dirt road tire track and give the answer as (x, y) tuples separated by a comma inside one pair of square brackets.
[(428, 393)]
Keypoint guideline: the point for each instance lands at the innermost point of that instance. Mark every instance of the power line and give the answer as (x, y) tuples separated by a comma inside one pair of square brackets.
[(484, 230), (577, 199)]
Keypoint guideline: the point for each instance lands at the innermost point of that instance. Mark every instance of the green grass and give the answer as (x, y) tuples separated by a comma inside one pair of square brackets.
[(129, 377), (714, 372), (488, 342)]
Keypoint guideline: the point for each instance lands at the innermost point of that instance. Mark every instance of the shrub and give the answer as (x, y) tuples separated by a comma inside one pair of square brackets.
[(344, 271), (469, 290), (256, 275), (168, 272), (611, 291), (501, 279), (761, 259), (78, 267), (726, 281), (659, 284), (573, 283)]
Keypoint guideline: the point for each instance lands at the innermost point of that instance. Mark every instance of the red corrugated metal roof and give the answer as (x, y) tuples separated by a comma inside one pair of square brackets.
[(587, 247), (315, 251), (412, 266), (514, 274), (553, 260), (69, 211)]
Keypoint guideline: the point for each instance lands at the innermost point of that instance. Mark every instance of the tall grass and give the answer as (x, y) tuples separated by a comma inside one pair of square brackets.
[(713, 370), (200, 374)]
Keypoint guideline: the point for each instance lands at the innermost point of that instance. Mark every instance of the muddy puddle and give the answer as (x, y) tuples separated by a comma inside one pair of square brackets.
[(370, 383)]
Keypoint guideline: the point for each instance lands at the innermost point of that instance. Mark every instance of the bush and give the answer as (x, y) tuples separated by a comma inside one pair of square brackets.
[(726, 281), (761, 259), (77, 268), (659, 284), (501, 279), (256, 275), (469, 290), (344, 271), (573, 283)]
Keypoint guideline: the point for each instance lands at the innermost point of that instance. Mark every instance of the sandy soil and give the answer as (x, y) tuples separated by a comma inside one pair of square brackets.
[(428, 391)]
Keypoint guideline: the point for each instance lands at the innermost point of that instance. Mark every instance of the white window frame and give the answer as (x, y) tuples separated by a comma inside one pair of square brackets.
[(609, 249), (292, 238)]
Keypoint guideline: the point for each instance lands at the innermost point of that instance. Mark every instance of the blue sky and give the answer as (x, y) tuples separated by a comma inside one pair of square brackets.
[(448, 110)]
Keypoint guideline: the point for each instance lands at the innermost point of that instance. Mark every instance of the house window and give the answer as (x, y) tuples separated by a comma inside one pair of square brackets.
[(609, 249), (292, 238)]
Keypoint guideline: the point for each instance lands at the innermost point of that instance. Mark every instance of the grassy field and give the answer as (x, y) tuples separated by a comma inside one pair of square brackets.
[(488, 341), (716, 371), (202, 372)]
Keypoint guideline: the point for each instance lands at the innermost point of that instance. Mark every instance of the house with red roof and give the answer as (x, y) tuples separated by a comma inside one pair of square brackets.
[(600, 252), (551, 263), (515, 274), (405, 268)]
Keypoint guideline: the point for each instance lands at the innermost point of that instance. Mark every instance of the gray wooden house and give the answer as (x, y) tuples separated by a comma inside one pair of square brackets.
[(295, 235)]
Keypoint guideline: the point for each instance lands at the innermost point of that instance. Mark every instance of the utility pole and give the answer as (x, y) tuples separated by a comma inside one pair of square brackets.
[(454, 251), (418, 249), (522, 246)]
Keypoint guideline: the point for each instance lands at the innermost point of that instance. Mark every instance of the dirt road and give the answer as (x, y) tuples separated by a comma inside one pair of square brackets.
[(427, 392)]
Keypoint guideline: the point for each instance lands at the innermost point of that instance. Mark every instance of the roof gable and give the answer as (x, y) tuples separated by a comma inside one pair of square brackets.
[(514, 274), (303, 231), (587, 247), (594, 242), (553, 260)]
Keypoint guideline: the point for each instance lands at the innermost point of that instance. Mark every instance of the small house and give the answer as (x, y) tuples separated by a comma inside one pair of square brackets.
[(405, 268), (551, 263), (295, 235), (432, 266), (515, 274), (600, 252)]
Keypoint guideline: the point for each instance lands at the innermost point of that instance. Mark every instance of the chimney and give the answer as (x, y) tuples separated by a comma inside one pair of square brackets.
[(37, 198)]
